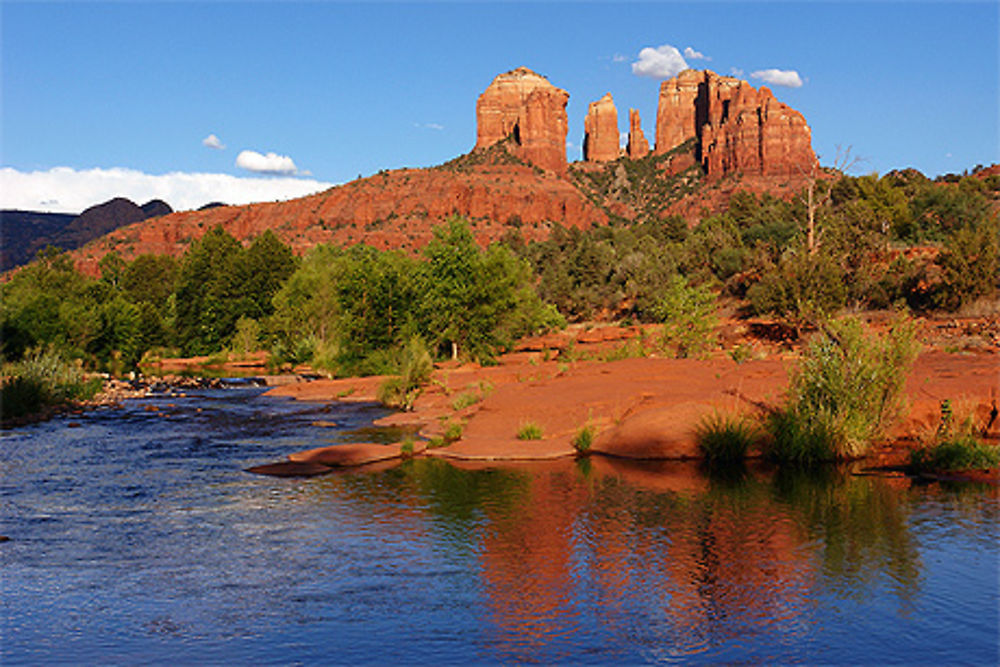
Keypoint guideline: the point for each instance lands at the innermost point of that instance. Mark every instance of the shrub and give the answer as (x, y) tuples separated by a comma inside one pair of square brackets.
[(529, 431), (686, 313), (960, 452), (726, 438), (42, 378), (415, 370), (847, 389), (583, 439)]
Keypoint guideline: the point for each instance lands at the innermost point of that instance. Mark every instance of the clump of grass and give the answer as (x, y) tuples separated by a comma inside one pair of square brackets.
[(465, 399), (956, 453), (41, 379), (401, 391), (846, 391), (436, 442), (453, 432), (529, 431), (406, 448), (726, 439), (583, 439)]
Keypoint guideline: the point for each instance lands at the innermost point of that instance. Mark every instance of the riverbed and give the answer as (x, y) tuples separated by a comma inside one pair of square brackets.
[(136, 535)]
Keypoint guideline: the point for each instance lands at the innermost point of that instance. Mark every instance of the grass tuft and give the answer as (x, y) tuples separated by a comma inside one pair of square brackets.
[(957, 453), (583, 439), (529, 431), (726, 438)]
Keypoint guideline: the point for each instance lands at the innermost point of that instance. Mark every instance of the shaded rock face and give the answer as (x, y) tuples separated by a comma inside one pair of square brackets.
[(738, 128), (637, 147), (531, 111), (600, 138)]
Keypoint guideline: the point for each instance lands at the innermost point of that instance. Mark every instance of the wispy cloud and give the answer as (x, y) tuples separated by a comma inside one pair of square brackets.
[(271, 163), (212, 141), (618, 58), (736, 71), (430, 126), (694, 55), (68, 190), (662, 62), (788, 78)]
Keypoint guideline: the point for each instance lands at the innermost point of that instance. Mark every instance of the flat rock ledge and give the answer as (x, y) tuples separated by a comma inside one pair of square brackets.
[(323, 460)]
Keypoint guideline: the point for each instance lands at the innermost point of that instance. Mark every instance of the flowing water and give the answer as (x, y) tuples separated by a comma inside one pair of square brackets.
[(137, 537)]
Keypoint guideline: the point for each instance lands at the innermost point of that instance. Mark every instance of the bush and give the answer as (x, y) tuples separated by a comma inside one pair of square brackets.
[(465, 399), (415, 371), (687, 316), (42, 378), (529, 431), (960, 452), (847, 389), (583, 439), (726, 438)]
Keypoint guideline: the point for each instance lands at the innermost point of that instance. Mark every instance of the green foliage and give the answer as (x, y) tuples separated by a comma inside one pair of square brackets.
[(847, 389), (42, 378), (453, 431), (725, 439), (584, 439), (687, 316), (465, 399), (800, 288), (955, 453), (970, 263), (529, 431), (415, 368), (246, 340)]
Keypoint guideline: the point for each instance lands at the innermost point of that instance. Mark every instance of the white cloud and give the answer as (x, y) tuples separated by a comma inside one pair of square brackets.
[(779, 77), (694, 55), (662, 62), (213, 141), (736, 71), (430, 126), (618, 58), (622, 139), (272, 163), (67, 190)]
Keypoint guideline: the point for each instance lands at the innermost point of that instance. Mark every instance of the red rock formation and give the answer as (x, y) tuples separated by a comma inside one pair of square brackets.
[(638, 147), (600, 139), (531, 111), (738, 128)]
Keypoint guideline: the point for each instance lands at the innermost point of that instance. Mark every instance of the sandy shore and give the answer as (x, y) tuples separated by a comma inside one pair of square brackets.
[(641, 408)]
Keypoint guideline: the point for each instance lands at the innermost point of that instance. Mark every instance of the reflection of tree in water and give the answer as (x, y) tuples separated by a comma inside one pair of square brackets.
[(687, 561), (861, 525)]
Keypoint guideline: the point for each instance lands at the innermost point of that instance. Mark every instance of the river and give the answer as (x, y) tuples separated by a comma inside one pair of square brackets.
[(138, 537)]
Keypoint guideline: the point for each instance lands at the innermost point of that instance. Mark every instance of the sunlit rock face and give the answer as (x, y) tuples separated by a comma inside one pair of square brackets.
[(531, 111), (738, 128), (600, 139)]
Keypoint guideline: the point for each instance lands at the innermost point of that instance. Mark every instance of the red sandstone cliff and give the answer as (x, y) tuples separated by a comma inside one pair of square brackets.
[(526, 107), (738, 128), (600, 139), (638, 147)]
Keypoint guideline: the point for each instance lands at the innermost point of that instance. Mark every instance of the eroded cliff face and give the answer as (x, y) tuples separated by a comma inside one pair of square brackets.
[(738, 128), (637, 147), (524, 106), (600, 138)]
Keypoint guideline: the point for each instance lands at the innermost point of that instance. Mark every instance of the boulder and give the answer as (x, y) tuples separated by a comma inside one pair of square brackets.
[(660, 432), (354, 454), (600, 139)]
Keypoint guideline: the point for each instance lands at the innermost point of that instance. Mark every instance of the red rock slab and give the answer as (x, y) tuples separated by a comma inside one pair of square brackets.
[(661, 432), (354, 454), (291, 469), (506, 449), (358, 390)]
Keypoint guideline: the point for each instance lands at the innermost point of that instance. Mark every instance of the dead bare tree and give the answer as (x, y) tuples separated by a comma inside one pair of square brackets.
[(842, 163)]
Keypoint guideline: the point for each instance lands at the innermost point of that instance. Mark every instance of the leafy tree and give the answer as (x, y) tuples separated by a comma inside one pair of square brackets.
[(208, 292)]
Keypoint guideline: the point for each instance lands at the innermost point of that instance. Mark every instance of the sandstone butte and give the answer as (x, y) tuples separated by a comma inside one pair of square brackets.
[(517, 173), (600, 138), (531, 111), (638, 146), (738, 129)]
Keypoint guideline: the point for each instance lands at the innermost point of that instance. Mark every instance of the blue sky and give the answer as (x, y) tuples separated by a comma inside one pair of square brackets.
[(123, 95)]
